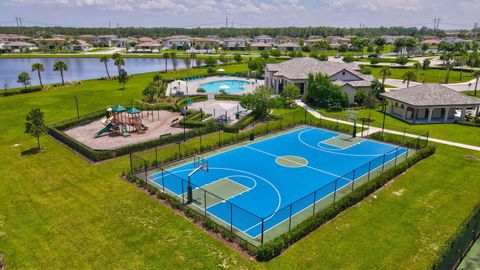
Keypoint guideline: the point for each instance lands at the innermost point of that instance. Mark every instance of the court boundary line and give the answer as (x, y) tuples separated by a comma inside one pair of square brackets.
[(338, 148), (233, 196), (329, 151), (301, 210), (306, 166)]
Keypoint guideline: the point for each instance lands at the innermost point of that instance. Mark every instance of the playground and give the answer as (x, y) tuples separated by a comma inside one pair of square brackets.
[(122, 126)]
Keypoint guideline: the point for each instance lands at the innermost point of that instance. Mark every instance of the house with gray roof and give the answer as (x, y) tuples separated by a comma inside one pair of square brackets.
[(296, 71), (430, 103)]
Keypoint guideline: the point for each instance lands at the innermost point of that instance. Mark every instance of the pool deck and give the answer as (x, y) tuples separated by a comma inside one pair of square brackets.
[(190, 87)]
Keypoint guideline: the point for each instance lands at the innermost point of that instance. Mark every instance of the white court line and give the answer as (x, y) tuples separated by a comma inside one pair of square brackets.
[(328, 151), (338, 148), (301, 210), (233, 196), (310, 167)]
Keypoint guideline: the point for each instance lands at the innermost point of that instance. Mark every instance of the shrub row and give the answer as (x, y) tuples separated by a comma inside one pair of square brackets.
[(274, 247), (166, 140), (20, 91), (469, 123), (156, 106), (399, 140), (197, 218), (241, 124), (79, 147), (228, 97), (182, 102)]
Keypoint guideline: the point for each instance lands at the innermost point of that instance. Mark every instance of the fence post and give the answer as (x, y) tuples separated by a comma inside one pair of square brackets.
[(314, 201), (404, 132), (335, 191), (183, 193), (261, 238), (145, 170), (396, 155), (369, 169), (156, 156), (408, 150), (290, 219), (163, 181), (219, 129), (205, 201), (418, 142), (353, 180), (428, 135), (131, 165), (231, 217), (383, 164), (305, 116)]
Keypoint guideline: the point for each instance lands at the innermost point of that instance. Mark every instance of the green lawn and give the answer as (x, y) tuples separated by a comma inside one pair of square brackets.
[(429, 76), (382, 60), (450, 132), (59, 211)]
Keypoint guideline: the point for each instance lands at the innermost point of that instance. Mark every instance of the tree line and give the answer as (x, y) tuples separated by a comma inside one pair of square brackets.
[(300, 32)]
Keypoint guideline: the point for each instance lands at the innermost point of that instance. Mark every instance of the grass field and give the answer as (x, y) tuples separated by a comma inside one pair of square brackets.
[(59, 211), (429, 76), (450, 132)]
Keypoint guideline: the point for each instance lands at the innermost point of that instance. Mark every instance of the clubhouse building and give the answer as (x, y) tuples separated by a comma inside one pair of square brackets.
[(430, 103), (296, 72)]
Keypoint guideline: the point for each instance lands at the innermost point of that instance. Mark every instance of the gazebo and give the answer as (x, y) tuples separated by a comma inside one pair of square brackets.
[(430, 103)]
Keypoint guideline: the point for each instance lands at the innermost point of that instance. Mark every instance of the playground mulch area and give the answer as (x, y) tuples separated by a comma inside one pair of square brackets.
[(158, 122)]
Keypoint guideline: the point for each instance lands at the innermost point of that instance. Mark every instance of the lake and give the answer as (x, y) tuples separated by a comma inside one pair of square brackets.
[(78, 68)]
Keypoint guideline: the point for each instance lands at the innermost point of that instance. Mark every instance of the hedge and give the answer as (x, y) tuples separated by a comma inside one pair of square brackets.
[(399, 140), (469, 123), (241, 124), (155, 106), (228, 97), (182, 102), (20, 91), (274, 247)]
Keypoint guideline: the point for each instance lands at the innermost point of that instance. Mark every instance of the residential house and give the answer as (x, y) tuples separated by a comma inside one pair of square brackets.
[(260, 46), (13, 37), (148, 46), (199, 43), (49, 44), (176, 42), (453, 40), (311, 42), (19, 46), (336, 41), (430, 103), (145, 39), (264, 39), (392, 39), (105, 40), (79, 45), (289, 47), (235, 43), (286, 39), (296, 71)]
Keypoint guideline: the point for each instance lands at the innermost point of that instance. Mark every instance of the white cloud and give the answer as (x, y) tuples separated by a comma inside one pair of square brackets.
[(375, 5)]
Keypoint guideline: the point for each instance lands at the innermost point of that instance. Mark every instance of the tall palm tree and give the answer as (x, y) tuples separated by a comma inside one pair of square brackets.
[(173, 56), (476, 75), (409, 76), (165, 56), (384, 72), (104, 59), (38, 67), (119, 62), (60, 66), (462, 59)]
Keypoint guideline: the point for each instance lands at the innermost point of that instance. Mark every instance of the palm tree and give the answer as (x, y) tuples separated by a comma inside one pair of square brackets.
[(462, 60), (385, 71), (409, 76), (38, 67), (165, 56), (104, 59), (417, 66), (476, 75), (119, 62), (60, 66), (173, 56)]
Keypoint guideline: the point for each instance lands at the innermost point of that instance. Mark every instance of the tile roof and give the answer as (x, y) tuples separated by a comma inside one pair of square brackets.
[(431, 94)]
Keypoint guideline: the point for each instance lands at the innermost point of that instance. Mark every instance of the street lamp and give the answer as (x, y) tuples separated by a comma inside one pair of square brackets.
[(76, 106)]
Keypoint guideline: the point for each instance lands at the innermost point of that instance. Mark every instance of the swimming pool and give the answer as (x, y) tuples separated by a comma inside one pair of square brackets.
[(233, 86)]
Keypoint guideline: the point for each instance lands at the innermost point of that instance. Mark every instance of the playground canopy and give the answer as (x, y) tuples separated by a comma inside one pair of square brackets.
[(133, 110), (118, 108)]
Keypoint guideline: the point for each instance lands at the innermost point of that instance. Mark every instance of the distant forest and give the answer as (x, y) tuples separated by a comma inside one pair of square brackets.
[(154, 32)]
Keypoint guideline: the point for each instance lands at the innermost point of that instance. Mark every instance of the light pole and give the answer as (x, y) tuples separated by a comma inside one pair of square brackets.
[(184, 131), (384, 114), (76, 106)]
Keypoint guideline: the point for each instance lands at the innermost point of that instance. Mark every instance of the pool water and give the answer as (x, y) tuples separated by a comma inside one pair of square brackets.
[(234, 86)]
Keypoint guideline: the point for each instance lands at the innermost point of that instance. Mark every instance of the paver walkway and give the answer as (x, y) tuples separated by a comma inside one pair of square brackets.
[(371, 130)]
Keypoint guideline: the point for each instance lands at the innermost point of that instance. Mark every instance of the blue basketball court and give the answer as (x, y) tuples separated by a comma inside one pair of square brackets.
[(269, 186)]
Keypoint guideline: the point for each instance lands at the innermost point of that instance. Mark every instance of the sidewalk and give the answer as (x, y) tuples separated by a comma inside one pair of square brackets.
[(376, 129)]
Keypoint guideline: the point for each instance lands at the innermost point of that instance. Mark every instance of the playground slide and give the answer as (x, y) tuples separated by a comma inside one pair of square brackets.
[(105, 129), (124, 130)]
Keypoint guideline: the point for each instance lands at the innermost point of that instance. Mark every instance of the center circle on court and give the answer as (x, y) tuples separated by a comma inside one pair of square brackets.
[(291, 161)]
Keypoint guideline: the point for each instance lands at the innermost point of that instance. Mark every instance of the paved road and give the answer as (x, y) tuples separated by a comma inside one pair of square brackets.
[(375, 129)]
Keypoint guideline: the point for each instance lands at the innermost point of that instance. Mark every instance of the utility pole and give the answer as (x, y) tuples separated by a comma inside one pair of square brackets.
[(18, 26), (436, 23)]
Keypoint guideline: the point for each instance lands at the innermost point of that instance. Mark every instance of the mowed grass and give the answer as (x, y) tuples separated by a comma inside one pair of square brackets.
[(450, 132), (426, 76), (59, 211)]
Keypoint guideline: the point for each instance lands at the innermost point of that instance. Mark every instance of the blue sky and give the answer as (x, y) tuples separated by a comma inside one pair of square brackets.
[(243, 13)]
